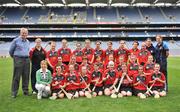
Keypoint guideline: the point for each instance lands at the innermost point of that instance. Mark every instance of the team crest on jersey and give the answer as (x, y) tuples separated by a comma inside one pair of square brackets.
[(53, 54), (119, 68), (79, 53), (108, 52), (143, 53), (141, 78), (88, 51), (134, 67), (59, 78), (156, 76), (65, 51), (71, 78), (121, 52), (111, 74), (96, 74), (84, 78), (149, 66), (44, 77), (98, 52)]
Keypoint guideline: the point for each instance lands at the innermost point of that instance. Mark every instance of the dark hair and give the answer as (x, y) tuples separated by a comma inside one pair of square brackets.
[(136, 42), (148, 39)]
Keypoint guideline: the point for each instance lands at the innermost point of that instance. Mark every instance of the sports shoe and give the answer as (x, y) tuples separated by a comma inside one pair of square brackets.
[(34, 92), (52, 97), (39, 96)]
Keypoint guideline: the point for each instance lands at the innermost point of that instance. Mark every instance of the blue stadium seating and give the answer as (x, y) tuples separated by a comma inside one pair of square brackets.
[(128, 14)]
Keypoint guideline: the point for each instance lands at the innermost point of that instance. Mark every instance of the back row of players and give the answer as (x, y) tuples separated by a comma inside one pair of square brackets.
[(86, 70)]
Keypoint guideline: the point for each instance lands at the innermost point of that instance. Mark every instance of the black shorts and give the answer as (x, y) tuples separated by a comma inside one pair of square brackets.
[(137, 91), (82, 89), (158, 88), (79, 63), (126, 88), (66, 63), (107, 86), (97, 89), (56, 90), (72, 91)]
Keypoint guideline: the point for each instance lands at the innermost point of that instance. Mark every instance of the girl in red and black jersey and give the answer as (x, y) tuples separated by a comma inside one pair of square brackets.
[(140, 82), (62, 65), (73, 62), (126, 86), (133, 65), (96, 81), (109, 51), (98, 52), (110, 78), (85, 80), (122, 52), (149, 65), (78, 52), (88, 51), (52, 57), (86, 64), (65, 52), (143, 54), (72, 78), (58, 82), (157, 81)]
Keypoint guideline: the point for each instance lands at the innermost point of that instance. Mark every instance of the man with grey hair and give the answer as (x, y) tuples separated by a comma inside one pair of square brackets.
[(19, 51)]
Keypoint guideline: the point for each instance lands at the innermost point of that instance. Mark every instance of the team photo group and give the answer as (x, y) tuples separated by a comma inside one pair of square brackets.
[(89, 72)]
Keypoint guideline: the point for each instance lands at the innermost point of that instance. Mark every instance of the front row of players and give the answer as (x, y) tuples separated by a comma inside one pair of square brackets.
[(96, 83)]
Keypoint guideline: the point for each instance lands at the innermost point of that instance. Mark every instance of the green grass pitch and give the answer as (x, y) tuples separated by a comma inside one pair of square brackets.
[(171, 103)]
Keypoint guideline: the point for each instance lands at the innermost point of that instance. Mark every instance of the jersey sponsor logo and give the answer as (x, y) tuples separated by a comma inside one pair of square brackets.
[(71, 78), (156, 76), (65, 51), (96, 74), (53, 54), (111, 73), (134, 67), (140, 78), (88, 51), (84, 78), (119, 67), (59, 78), (120, 51), (149, 66), (108, 52), (143, 53), (98, 52), (79, 53)]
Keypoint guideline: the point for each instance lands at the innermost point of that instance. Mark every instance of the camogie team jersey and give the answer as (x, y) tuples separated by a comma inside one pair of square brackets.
[(113, 75), (52, 56), (160, 76), (72, 78), (61, 79), (143, 79), (143, 56), (79, 54), (86, 79), (122, 52), (65, 53), (133, 68), (107, 53), (126, 82), (148, 67), (89, 53), (98, 53), (134, 52), (97, 75)]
